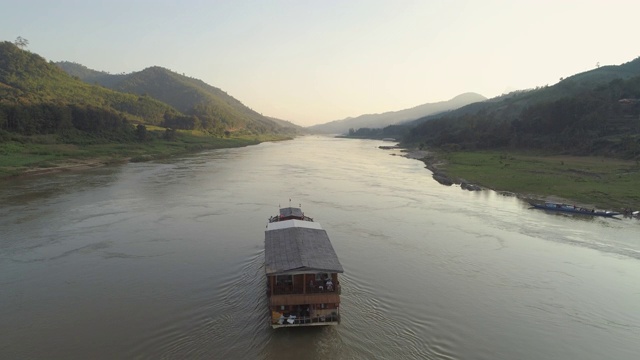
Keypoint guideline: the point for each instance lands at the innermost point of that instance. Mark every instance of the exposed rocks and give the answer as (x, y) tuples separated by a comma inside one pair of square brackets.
[(416, 154), (469, 186), (442, 179)]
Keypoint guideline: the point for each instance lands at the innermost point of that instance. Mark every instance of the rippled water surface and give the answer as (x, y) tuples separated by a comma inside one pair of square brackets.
[(165, 260)]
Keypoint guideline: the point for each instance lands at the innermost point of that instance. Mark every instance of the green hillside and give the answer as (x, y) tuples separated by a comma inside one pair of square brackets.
[(592, 113), (204, 106), (53, 121), (90, 76), (37, 97)]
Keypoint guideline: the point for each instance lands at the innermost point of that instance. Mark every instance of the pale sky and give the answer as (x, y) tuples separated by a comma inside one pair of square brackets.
[(312, 62)]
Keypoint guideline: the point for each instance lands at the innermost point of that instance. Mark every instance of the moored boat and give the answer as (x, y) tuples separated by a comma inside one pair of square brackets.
[(551, 206), (302, 272)]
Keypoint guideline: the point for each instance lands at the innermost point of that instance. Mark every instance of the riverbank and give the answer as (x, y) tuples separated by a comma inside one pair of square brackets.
[(594, 182), (36, 156)]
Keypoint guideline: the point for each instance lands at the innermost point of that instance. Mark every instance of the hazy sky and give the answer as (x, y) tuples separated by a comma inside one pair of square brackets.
[(316, 61)]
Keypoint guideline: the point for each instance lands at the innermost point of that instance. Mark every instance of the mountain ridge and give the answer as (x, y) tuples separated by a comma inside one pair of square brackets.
[(213, 107), (382, 120), (596, 112)]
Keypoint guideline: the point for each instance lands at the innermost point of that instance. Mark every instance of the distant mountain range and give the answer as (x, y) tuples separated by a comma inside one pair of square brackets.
[(395, 117), (594, 112), (504, 106), (510, 106), (195, 97)]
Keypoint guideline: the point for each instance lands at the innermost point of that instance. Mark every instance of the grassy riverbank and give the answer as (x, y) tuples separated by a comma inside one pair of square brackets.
[(604, 183), (36, 155)]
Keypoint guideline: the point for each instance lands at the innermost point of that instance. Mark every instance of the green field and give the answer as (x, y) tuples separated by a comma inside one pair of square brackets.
[(602, 182), (35, 154)]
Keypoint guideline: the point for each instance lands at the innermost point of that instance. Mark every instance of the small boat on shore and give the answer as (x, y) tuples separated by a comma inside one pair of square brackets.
[(566, 208), (302, 272)]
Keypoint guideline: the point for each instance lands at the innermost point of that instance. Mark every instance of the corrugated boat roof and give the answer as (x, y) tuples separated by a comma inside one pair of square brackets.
[(298, 249)]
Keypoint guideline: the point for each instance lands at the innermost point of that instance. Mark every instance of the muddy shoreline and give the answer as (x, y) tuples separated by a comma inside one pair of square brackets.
[(436, 166)]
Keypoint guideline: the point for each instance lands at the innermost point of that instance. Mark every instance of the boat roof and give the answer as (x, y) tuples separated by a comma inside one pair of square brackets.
[(296, 246)]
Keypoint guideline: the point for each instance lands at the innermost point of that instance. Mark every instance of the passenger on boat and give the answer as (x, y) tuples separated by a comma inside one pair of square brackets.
[(329, 285)]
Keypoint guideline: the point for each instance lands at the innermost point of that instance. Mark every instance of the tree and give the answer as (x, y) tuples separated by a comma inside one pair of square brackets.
[(170, 134), (4, 119), (141, 132), (21, 42)]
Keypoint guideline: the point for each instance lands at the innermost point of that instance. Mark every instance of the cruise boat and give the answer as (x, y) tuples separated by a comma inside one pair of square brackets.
[(302, 272)]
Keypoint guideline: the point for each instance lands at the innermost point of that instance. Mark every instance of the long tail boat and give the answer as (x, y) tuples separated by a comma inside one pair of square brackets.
[(572, 209)]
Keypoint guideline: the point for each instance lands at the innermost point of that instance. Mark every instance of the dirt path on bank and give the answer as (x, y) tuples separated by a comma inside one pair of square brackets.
[(66, 166)]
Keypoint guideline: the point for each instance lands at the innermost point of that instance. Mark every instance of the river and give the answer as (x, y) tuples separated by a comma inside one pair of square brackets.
[(165, 260)]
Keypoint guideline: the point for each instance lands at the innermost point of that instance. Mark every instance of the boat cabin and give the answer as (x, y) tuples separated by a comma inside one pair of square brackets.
[(290, 213)]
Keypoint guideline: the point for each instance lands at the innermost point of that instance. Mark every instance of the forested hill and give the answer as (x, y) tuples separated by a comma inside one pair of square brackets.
[(90, 76), (595, 112), (207, 106), (36, 97)]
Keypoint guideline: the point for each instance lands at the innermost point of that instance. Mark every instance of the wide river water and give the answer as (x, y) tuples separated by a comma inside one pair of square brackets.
[(165, 260)]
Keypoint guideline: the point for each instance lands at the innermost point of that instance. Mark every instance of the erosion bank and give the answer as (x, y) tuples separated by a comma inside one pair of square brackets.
[(604, 183)]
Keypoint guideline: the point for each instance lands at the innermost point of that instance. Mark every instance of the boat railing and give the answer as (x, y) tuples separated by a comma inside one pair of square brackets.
[(336, 289), (311, 319), (294, 290), (277, 218)]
